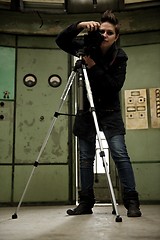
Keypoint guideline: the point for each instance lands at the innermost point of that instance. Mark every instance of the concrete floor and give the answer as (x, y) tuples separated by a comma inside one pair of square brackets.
[(52, 223)]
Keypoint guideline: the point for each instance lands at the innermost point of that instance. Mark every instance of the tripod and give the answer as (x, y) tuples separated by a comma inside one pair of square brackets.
[(79, 66)]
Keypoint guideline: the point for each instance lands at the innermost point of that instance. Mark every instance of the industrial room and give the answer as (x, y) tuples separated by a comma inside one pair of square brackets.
[(33, 75)]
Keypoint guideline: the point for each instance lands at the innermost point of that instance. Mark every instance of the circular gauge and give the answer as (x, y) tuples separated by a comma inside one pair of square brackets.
[(54, 80), (30, 80)]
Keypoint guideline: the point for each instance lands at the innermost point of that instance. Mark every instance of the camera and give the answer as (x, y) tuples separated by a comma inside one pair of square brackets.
[(92, 42)]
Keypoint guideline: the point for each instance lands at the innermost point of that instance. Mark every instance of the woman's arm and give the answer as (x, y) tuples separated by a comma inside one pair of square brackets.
[(67, 40), (111, 79)]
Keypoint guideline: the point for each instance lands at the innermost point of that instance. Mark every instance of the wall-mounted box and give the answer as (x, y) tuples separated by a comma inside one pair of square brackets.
[(136, 109)]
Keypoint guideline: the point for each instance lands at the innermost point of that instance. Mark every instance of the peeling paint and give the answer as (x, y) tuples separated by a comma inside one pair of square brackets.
[(31, 123)]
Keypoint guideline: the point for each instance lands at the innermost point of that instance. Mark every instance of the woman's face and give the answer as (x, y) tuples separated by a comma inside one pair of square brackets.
[(107, 30)]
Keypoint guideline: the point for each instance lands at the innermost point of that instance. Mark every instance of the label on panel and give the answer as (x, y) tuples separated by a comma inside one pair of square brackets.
[(136, 109), (154, 94)]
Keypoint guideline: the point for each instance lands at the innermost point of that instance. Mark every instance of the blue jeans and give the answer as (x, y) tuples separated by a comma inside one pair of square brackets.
[(120, 156)]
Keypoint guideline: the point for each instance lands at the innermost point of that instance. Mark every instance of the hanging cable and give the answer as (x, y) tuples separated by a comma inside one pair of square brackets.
[(40, 18), (94, 3)]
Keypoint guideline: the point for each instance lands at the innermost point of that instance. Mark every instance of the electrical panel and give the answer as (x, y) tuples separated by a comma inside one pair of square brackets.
[(136, 109), (154, 94)]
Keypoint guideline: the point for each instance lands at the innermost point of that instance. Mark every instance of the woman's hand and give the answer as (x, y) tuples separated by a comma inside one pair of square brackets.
[(89, 61), (89, 26)]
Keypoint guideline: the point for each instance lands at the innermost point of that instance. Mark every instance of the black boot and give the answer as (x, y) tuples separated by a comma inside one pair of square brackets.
[(131, 203), (86, 204)]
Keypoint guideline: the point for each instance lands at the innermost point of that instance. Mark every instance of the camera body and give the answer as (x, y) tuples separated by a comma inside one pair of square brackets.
[(92, 42)]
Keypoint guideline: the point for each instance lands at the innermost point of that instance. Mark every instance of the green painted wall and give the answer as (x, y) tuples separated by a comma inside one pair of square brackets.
[(143, 72), (7, 70)]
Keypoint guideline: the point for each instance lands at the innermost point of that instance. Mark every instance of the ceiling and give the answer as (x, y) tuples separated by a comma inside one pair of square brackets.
[(73, 6)]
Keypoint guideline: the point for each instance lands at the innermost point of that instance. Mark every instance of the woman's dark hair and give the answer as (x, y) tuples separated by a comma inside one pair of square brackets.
[(108, 16)]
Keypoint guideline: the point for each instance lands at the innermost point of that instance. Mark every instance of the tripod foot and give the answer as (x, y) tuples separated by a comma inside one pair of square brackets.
[(14, 216), (118, 218)]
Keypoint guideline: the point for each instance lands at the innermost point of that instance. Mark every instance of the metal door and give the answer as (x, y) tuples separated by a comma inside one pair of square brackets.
[(7, 73), (38, 96)]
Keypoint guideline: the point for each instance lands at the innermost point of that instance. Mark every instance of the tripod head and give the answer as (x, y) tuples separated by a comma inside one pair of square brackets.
[(80, 62), (81, 53)]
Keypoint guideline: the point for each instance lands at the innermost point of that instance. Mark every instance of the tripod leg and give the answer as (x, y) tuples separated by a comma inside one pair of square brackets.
[(14, 216), (102, 153), (63, 98)]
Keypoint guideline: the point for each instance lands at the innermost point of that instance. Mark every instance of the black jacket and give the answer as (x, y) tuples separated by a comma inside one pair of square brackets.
[(106, 78)]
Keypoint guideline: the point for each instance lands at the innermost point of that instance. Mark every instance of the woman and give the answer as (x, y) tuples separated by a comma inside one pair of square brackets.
[(106, 68)]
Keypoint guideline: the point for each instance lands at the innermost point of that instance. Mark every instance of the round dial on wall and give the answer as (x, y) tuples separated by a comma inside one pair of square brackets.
[(30, 80), (54, 80)]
